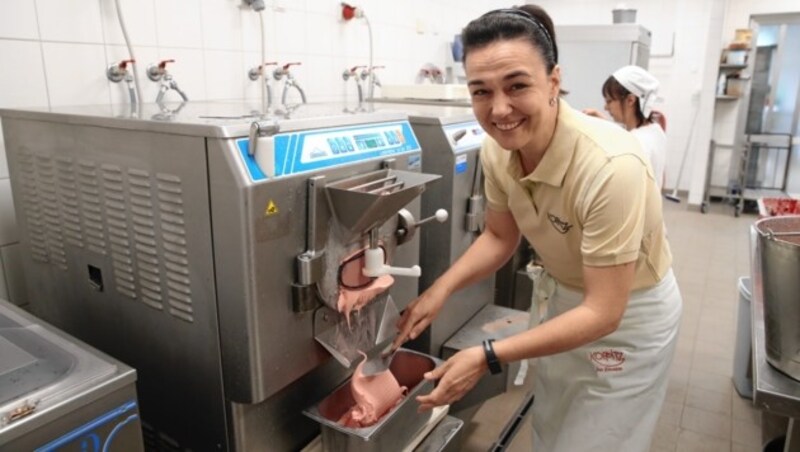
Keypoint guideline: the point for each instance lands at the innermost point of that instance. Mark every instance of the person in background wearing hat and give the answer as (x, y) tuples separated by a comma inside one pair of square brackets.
[(630, 93), (582, 193)]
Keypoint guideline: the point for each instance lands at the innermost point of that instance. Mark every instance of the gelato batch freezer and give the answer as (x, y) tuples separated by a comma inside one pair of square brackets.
[(200, 244), (57, 394)]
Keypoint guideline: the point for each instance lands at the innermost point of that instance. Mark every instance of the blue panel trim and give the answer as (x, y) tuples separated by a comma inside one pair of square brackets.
[(250, 161), (86, 430), (288, 149)]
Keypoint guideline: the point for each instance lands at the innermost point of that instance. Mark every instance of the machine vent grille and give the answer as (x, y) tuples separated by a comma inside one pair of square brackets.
[(117, 221), (47, 186), (156, 441), (41, 210), (128, 214), (173, 226), (70, 205), (144, 238), (91, 207)]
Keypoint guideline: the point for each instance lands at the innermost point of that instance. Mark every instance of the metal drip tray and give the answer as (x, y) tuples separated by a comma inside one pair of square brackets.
[(396, 428)]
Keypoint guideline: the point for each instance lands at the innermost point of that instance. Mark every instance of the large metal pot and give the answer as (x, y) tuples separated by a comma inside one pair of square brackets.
[(779, 243)]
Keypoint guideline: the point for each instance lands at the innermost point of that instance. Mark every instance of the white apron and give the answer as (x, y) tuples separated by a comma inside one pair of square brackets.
[(607, 395)]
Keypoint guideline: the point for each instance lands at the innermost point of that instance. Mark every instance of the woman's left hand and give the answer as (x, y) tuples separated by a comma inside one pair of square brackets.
[(456, 377)]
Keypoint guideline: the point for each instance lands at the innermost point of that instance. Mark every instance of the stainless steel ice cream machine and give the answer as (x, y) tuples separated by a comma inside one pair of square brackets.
[(211, 249)]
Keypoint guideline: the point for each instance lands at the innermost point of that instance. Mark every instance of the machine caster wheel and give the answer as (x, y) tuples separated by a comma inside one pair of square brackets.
[(704, 207)]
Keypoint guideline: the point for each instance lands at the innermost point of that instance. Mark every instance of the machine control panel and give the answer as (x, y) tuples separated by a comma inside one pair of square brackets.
[(298, 152), (465, 136)]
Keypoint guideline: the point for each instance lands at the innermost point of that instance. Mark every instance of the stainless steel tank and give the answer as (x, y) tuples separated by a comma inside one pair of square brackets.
[(779, 242)]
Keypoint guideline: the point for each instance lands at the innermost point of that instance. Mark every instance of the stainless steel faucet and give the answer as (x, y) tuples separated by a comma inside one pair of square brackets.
[(291, 82), (158, 73), (118, 72), (353, 73), (260, 71), (375, 81)]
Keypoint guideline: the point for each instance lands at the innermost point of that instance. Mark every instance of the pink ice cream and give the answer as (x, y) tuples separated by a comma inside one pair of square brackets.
[(374, 395), (355, 299)]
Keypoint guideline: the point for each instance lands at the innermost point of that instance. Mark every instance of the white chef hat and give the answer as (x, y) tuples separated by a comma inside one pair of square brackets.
[(641, 84)]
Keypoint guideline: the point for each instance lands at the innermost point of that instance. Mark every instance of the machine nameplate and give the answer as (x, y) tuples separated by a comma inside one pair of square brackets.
[(313, 150)]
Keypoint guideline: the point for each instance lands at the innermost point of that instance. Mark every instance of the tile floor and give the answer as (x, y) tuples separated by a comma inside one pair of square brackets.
[(702, 411)]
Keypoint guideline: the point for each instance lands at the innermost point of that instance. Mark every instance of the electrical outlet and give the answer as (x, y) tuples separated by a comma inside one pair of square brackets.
[(421, 27)]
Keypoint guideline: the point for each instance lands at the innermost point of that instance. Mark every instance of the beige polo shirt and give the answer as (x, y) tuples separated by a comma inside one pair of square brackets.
[(592, 200)]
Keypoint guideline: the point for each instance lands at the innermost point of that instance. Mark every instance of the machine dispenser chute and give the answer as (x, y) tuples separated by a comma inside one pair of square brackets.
[(366, 201), (364, 207)]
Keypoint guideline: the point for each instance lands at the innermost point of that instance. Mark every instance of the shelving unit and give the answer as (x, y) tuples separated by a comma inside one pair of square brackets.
[(732, 71)]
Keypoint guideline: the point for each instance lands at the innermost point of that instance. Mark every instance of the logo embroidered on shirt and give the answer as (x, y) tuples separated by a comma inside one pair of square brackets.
[(609, 360), (560, 225)]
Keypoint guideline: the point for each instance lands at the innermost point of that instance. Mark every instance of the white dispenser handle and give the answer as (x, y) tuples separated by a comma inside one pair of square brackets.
[(374, 266)]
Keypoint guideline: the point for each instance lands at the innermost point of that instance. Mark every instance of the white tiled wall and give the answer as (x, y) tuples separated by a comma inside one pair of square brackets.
[(54, 52)]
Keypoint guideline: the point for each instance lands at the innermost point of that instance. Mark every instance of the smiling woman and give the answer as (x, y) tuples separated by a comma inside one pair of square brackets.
[(579, 190)]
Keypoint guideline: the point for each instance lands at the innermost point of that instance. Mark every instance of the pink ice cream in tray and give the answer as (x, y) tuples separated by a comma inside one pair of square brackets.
[(355, 403)]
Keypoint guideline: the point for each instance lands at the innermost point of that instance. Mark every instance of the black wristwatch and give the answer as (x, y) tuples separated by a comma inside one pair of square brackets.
[(491, 357)]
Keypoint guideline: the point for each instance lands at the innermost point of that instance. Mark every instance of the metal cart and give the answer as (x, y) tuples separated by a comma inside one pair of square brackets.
[(762, 170), (764, 167), (727, 193)]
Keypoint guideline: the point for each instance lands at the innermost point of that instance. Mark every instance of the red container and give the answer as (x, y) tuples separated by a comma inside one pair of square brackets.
[(772, 207)]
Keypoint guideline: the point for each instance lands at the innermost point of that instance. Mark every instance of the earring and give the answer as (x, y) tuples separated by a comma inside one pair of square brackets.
[(552, 102)]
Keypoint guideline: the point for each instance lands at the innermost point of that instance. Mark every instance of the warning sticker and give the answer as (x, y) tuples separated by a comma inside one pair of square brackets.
[(271, 209)]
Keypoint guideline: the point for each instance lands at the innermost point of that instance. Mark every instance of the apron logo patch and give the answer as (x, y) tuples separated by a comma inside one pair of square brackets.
[(560, 225), (609, 360)]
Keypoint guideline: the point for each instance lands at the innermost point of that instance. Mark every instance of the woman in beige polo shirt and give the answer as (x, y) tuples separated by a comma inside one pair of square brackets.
[(580, 191)]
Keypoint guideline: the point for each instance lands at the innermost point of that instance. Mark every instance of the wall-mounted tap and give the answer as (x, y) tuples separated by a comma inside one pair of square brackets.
[(257, 72), (158, 73), (353, 73), (365, 76), (291, 82), (118, 72)]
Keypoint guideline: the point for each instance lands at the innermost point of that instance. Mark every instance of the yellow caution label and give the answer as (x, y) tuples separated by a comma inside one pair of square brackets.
[(271, 209)]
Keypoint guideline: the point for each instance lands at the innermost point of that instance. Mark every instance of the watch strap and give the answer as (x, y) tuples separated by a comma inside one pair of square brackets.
[(491, 358)]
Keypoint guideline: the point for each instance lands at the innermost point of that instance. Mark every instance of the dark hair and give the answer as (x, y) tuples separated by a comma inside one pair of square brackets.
[(613, 89), (529, 22)]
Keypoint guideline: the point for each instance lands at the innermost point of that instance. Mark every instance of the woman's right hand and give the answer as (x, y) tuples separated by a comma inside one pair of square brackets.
[(419, 314)]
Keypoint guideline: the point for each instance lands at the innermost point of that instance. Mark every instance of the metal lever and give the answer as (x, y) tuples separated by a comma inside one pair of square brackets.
[(260, 129), (475, 209), (407, 225), (440, 215)]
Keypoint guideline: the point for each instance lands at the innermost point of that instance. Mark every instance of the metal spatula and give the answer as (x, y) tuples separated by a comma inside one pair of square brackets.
[(380, 358)]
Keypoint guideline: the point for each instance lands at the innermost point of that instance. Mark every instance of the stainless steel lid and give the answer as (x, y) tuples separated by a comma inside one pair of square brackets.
[(39, 368), (226, 119)]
